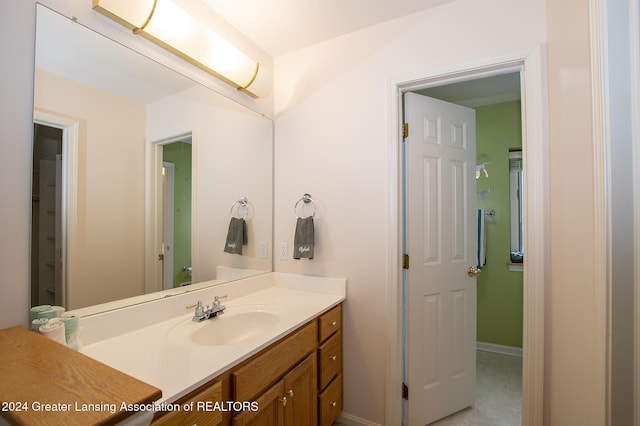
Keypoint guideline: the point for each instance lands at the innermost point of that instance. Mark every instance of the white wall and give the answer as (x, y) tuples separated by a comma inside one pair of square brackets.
[(233, 150), (332, 141), (109, 223), (17, 29), (16, 106)]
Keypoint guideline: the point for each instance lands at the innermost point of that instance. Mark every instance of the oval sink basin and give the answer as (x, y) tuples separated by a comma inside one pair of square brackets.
[(238, 324)]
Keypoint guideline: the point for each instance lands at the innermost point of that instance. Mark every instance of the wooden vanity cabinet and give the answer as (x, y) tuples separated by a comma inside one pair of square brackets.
[(330, 366), (295, 381), (292, 363), (290, 402), (271, 410), (215, 392)]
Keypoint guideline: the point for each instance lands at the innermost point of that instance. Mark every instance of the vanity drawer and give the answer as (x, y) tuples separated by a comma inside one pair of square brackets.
[(210, 395), (330, 322), (330, 402), (330, 356), (252, 378)]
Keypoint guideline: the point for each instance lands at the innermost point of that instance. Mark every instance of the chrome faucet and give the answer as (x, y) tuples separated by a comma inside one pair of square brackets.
[(216, 309)]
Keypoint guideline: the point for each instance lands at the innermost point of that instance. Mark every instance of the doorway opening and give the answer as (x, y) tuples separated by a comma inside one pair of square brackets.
[(497, 135), (169, 263), (530, 66), (53, 207), (46, 216)]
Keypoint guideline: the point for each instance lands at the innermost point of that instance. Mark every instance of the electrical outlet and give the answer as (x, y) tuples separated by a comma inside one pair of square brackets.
[(264, 250), (284, 251)]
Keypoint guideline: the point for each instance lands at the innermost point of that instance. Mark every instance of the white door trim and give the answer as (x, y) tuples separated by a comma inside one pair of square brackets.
[(532, 65), (601, 208), (153, 222), (69, 202)]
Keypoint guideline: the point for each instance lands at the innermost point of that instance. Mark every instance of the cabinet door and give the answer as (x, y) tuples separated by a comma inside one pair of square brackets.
[(270, 411), (198, 416), (300, 389)]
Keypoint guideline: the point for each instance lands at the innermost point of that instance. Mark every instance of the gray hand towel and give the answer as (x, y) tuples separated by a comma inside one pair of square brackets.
[(236, 236), (303, 241)]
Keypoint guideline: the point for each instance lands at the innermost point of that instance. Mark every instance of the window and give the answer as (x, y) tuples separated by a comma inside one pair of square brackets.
[(516, 185)]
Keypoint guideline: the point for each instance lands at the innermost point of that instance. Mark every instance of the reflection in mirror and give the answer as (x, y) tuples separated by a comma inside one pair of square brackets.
[(135, 170), (176, 213)]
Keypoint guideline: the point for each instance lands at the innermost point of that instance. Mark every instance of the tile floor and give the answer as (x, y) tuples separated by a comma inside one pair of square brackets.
[(498, 393)]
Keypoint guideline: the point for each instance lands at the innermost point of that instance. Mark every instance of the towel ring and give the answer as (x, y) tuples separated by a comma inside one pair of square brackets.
[(242, 202), (306, 199)]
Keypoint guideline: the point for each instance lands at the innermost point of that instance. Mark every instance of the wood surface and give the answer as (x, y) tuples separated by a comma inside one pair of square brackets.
[(330, 322), (37, 371), (259, 373)]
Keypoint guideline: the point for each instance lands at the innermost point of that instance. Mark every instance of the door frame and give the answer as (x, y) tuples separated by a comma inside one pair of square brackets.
[(531, 64), (153, 220), (69, 195)]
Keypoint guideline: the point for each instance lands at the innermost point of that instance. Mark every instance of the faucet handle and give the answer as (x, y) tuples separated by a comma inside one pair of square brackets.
[(216, 300), (199, 309)]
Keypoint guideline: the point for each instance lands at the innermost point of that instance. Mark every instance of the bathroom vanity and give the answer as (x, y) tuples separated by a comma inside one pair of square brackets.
[(273, 357), (295, 381)]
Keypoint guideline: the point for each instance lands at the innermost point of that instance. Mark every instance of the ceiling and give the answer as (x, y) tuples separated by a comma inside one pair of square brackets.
[(283, 26), (474, 93)]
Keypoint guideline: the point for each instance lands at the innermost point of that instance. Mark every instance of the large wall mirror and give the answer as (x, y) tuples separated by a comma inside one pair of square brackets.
[(137, 173)]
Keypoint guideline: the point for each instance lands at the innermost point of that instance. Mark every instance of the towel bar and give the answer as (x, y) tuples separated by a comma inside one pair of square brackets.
[(242, 202), (306, 199)]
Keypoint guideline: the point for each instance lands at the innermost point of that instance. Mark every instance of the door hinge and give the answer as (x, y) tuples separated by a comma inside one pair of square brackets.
[(405, 261), (405, 130), (405, 391)]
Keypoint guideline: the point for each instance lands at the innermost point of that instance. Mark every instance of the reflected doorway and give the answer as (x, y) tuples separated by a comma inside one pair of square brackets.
[(46, 216), (177, 171), (171, 235)]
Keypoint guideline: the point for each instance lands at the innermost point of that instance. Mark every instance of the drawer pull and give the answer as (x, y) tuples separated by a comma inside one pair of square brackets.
[(333, 404), (333, 357), (284, 401), (334, 323), (290, 392)]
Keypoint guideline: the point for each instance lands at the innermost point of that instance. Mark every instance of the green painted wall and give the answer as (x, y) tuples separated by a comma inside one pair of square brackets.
[(179, 153), (498, 128)]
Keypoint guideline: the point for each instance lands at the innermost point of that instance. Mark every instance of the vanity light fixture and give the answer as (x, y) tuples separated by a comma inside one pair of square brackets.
[(166, 24)]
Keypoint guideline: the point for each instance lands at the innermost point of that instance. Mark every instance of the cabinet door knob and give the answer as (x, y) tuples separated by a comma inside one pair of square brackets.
[(333, 357), (333, 403), (284, 401), (290, 392)]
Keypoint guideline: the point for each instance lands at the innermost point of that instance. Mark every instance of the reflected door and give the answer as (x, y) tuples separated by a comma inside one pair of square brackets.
[(168, 173)]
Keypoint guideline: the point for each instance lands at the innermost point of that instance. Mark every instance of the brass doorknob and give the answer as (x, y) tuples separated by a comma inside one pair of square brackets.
[(473, 271)]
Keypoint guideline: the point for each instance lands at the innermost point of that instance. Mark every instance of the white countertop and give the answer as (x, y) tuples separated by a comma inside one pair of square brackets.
[(147, 354)]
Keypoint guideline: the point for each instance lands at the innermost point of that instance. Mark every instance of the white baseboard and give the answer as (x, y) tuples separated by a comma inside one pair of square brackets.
[(499, 349), (345, 419)]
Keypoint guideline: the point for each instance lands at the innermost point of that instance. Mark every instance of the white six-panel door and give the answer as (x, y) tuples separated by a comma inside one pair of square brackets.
[(441, 239)]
